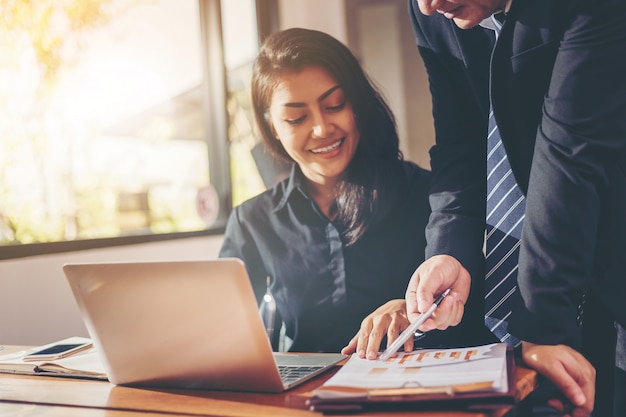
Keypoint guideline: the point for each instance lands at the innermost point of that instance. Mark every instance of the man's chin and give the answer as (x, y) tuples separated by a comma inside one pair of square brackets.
[(464, 23)]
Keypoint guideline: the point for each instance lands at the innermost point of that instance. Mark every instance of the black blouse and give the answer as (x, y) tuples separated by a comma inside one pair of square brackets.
[(322, 287)]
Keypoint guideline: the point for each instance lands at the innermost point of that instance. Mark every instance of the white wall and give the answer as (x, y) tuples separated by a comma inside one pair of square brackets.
[(380, 51), (326, 15), (36, 304)]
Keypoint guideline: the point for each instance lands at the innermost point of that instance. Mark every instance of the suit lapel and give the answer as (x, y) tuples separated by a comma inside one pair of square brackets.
[(506, 108), (521, 69), (474, 48)]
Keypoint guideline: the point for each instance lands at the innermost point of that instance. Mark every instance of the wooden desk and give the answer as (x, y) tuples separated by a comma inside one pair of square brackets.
[(53, 396)]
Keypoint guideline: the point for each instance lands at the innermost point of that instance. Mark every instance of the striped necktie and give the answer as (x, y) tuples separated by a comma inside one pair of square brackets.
[(505, 215)]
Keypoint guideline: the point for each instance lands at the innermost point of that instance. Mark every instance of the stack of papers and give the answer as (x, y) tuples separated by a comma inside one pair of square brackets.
[(422, 375)]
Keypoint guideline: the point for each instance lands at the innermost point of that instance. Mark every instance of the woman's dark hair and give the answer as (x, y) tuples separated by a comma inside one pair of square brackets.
[(372, 177)]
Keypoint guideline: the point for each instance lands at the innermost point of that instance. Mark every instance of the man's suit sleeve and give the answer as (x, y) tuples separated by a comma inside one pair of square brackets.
[(457, 192), (579, 142)]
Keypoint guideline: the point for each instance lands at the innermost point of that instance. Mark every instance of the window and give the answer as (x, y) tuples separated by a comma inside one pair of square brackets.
[(114, 124), (240, 49)]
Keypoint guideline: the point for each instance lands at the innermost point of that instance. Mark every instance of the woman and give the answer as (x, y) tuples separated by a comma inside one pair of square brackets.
[(341, 236)]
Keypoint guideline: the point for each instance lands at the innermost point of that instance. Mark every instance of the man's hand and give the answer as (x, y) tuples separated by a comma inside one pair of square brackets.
[(572, 374), (389, 319), (433, 277)]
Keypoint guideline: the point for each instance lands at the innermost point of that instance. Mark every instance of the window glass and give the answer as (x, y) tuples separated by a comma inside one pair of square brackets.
[(240, 48), (102, 131)]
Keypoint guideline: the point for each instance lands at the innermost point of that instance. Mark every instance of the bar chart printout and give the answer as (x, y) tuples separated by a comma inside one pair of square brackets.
[(479, 366)]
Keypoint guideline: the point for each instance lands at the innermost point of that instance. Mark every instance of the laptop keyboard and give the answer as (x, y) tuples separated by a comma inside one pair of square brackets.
[(290, 373)]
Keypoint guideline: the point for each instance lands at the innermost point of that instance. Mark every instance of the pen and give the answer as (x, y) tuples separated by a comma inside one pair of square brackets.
[(410, 331)]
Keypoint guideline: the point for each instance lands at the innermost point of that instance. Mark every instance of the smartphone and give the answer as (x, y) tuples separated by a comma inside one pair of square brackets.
[(57, 351)]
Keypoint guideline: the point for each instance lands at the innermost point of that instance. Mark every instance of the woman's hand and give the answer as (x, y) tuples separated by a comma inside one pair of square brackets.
[(570, 372), (390, 319)]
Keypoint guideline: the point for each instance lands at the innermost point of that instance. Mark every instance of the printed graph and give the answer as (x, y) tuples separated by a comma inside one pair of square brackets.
[(435, 357)]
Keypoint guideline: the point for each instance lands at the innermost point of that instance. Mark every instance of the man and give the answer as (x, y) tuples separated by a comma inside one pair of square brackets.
[(556, 85)]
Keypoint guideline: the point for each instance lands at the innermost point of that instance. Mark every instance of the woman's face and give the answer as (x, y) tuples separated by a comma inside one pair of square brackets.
[(315, 123)]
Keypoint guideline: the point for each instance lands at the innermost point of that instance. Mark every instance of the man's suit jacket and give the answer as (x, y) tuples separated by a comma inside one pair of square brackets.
[(559, 97)]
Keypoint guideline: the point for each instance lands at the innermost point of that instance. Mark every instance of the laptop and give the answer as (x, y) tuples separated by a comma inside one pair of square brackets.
[(184, 324)]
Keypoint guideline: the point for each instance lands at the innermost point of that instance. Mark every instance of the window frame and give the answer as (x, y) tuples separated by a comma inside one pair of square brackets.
[(216, 123)]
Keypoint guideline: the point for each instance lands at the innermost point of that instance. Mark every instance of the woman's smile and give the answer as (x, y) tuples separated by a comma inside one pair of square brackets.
[(329, 148)]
